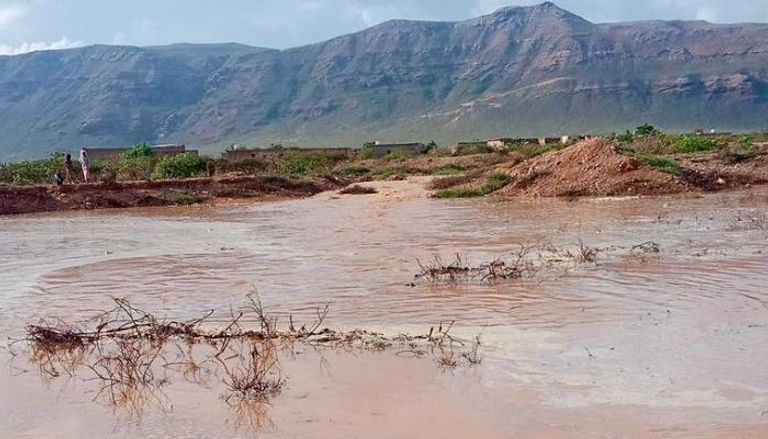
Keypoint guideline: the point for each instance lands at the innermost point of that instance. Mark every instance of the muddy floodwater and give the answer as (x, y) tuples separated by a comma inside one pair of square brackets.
[(662, 345)]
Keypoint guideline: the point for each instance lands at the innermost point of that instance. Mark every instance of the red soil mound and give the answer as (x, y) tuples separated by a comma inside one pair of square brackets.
[(589, 168)]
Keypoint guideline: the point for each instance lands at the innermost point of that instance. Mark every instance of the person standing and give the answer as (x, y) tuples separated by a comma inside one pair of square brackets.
[(85, 162), (69, 170)]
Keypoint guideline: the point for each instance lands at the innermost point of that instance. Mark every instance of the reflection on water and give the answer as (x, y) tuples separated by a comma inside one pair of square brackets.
[(669, 342)]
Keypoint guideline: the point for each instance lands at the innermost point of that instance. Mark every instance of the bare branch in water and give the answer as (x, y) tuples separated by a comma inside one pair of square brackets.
[(130, 352)]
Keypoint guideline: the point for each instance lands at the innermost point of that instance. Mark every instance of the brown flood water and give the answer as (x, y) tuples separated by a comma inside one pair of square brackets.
[(667, 347)]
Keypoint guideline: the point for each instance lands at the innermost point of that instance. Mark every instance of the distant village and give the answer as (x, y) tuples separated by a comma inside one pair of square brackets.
[(237, 153)]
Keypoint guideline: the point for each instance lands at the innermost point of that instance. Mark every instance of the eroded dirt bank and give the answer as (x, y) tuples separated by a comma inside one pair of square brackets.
[(31, 199)]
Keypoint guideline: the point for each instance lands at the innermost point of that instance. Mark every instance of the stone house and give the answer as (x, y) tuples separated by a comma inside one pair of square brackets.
[(383, 149)]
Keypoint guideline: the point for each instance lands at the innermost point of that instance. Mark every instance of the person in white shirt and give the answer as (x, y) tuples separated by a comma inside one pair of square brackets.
[(85, 162)]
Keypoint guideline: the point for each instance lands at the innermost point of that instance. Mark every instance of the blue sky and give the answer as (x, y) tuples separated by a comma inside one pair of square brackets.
[(27, 25)]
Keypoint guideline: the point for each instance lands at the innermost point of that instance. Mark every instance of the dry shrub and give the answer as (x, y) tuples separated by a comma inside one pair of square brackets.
[(645, 251), (749, 222), (585, 254), (129, 374), (449, 182), (472, 355), (525, 263), (459, 270), (357, 189), (447, 359), (132, 354), (252, 416), (256, 377)]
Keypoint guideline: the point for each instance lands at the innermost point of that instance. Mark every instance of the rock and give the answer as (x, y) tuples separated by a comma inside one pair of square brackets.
[(720, 181)]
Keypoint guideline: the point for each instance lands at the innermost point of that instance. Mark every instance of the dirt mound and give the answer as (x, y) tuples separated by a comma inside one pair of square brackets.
[(589, 168)]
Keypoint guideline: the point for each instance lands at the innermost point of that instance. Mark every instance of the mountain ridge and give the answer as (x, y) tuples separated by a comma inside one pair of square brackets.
[(522, 71)]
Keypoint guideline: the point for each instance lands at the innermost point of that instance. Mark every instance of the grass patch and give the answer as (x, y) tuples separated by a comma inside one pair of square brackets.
[(458, 192), (300, 163), (32, 171), (531, 151), (472, 149), (180, 166), (741, 151), (449, 182), (448, 170), (493, 183), (660, 163), (355, 171), (186, 200), (693, 144), (399, 155)]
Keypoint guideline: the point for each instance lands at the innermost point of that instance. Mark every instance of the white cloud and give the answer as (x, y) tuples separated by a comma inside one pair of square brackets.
[(63, 43), (288, 23), (707, 14), (9, 15)]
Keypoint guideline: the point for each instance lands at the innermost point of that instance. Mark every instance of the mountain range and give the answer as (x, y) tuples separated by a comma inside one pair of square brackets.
[(520, 71)]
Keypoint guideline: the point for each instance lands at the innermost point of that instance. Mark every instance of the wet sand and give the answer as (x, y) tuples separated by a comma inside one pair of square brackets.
[(665, 347)]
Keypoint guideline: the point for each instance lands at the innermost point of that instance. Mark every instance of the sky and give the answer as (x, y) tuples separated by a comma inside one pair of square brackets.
[(30, 25)]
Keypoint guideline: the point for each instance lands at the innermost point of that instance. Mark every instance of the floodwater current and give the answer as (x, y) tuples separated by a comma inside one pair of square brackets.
[(670, 344)]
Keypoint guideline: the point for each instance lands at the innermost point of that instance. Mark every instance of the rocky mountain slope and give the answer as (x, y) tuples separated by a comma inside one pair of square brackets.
[(520, 71)]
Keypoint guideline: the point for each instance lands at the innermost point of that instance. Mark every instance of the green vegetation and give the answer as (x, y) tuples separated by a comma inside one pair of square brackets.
[(745, 149), (472, 149), (140, 150), (178, 166), (32, 171), (186, 200), (449, 182), (135, 167), (693, 144), (746, 144), (303, 163), (531, 151), (660, 163), (399, 155), (459, 192), (493, 183), (448, 170), (367, 152), (355, 171), (645, 130), (357, 189), (250, 166)]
